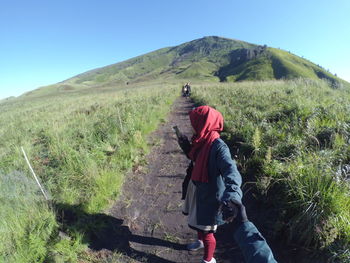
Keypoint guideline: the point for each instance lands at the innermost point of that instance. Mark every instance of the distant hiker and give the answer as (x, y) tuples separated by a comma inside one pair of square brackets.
[(213, 183), (186, 90)]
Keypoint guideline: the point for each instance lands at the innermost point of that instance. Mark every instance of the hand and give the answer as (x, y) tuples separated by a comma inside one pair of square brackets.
[(229, 211), (184, 143), (234, 211), (183, 138)]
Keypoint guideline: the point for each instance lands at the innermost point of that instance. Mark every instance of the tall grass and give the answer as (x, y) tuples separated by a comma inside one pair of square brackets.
[(294, 137), (80, 144), (26, 220)]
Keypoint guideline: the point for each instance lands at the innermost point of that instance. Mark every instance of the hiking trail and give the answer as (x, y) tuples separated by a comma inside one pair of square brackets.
[(146, 223), (148, 217)]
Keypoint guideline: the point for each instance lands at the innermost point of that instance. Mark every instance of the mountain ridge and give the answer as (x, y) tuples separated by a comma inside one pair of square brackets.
[(209, 58)]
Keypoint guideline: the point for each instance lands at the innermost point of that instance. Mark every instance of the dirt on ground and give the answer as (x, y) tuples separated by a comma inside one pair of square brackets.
[(150, 224), (147, 225)]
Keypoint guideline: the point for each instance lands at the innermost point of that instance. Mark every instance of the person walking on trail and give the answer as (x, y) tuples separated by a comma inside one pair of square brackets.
[(214, 178), (186, 90), (212, 187)]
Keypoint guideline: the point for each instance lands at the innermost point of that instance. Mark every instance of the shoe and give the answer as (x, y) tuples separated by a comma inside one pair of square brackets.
[(211, 261), (195, 245)]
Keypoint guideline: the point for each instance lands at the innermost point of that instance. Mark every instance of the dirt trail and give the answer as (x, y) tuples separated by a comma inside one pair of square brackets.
[(151, 225), (147, 225)]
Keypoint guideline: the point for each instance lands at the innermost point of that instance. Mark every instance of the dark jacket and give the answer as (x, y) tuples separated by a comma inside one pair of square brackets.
[(252, 244), (224, 185)]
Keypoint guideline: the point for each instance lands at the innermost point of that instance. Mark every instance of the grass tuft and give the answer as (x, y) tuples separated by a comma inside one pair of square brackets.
[(293, 137), (80, 145)]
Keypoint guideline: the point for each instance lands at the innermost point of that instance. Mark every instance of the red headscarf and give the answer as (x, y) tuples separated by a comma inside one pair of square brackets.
[(208, 123)]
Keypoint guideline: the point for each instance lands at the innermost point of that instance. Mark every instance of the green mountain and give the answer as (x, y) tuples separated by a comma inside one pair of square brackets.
[(7, 99), (208, 58)]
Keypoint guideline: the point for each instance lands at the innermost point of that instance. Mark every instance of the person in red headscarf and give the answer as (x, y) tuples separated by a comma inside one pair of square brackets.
[(214, 178)]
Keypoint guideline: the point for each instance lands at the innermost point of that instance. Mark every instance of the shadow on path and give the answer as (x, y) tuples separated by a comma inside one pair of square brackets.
[(101, 231)]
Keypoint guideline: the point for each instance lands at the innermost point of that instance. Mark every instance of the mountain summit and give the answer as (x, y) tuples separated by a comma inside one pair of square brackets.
[(209, 58)]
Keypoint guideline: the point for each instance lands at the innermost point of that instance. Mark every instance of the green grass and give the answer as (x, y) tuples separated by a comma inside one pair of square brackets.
[(26, 220), (293, 136), (80, 144), (210, 58), (197, 59), (277, 64), (258, 69)]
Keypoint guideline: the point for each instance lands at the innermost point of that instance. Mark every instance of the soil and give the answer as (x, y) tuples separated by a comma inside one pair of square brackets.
[(151, 226), (147, 225)]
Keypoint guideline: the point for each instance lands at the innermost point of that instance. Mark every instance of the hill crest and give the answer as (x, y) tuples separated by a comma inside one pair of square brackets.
[(209, 58)]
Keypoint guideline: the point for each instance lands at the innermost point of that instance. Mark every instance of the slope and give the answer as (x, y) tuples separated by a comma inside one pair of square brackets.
[(264, 63), (207, 59)]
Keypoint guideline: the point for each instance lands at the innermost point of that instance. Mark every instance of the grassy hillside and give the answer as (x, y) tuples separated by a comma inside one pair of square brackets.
[(293, 137), (274, 63), (83, 134), (197, 59), (80, 145), (207, 59)]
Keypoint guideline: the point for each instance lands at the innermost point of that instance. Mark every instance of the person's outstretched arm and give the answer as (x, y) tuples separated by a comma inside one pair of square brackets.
[(251, 242)]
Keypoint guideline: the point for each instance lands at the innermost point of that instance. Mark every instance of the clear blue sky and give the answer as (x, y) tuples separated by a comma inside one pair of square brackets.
[(47, 41)]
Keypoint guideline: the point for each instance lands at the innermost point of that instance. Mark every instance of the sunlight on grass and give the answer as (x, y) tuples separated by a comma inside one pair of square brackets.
[(294, 137), (80, 145)]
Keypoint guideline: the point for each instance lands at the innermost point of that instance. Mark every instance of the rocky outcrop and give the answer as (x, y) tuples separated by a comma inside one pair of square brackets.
[(242, 55), (238, 57)]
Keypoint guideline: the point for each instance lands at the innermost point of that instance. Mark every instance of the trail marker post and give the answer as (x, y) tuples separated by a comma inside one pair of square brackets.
[(35, 177)]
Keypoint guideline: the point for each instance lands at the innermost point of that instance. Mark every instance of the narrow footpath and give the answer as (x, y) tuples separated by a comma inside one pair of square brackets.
[(146, 224), (151, 226)]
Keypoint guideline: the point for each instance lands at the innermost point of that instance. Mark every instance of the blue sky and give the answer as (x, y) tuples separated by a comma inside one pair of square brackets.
[(47, 41)]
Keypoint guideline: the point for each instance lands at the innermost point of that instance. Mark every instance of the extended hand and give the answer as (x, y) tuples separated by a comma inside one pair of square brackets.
[(234, 211), (184, 143)]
